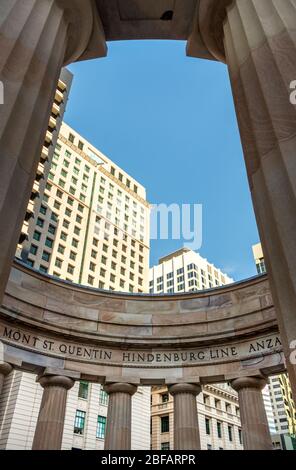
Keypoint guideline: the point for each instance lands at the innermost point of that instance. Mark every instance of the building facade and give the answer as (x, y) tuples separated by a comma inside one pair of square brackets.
[(283, 406), (185, 271), (218, 418), (92, 224), (55, 121)]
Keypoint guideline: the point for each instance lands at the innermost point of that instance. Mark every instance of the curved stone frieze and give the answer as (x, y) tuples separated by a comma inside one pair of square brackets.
[(207, 336)]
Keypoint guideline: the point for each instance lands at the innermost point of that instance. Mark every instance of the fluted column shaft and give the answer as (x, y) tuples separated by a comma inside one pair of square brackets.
[(36, 39), (5, 369), (186, 429), (50, 423), (260, 47), (255, 429), (257, 40), (119, 417)]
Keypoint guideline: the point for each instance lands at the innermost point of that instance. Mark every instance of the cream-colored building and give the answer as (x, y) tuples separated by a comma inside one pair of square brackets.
[(54, 125), (185, 271), (90, 225), (218, 418)]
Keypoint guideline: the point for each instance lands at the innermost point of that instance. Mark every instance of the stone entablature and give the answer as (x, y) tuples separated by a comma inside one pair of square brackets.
[(204, 337)]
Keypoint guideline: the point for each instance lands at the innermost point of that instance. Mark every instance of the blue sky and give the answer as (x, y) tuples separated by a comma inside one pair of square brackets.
[(169, 121)]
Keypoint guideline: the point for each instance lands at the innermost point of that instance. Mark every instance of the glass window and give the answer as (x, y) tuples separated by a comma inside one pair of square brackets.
[(49, 242), (83, 389), (46, 256), (103, 398), (208, 426), (33, 249), (165, 446), (165, 397), (101, 428), (79, 422), (40, 222), (37, 236), (43, 210), (51, 229), (230, 433), (165, 424), (219, 429)]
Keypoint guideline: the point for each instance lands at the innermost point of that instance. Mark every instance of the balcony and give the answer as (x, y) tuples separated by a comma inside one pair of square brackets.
[(55, 109), (59, 97), (52, 122)]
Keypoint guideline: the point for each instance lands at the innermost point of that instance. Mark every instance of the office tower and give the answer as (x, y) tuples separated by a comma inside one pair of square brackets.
[(185, 271), (55, 121), (92, 224)]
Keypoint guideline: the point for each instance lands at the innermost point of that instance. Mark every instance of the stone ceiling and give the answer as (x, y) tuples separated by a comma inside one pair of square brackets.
[(147, 19)]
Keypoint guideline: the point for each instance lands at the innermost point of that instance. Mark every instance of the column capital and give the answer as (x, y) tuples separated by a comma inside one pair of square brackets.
[(5, 368), (84, 29), (249, 382), (56, 381), (193, 389), (211, 19), (120, 387)]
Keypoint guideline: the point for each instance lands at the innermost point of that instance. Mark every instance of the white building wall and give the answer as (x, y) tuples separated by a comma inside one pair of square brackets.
[(185, 271), (20, 403)]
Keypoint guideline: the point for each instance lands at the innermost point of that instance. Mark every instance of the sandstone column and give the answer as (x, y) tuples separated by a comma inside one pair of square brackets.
[(50, 424), (255, 430), (119, 418), (37, 37), (5, 369), (257, 40), (186, 430)]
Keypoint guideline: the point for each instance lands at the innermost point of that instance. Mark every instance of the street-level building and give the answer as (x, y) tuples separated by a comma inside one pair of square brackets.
[(218, 418)]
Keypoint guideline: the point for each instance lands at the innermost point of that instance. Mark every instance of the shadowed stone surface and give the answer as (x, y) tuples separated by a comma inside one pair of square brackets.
[(255, 429), (50, 423), (186, 429), (119, 417)]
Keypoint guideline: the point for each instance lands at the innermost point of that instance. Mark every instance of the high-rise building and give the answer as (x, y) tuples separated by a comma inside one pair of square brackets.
[(89, 225), (92, 224), (185, 271), (217, 405), (55, 121), (283, 406)]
